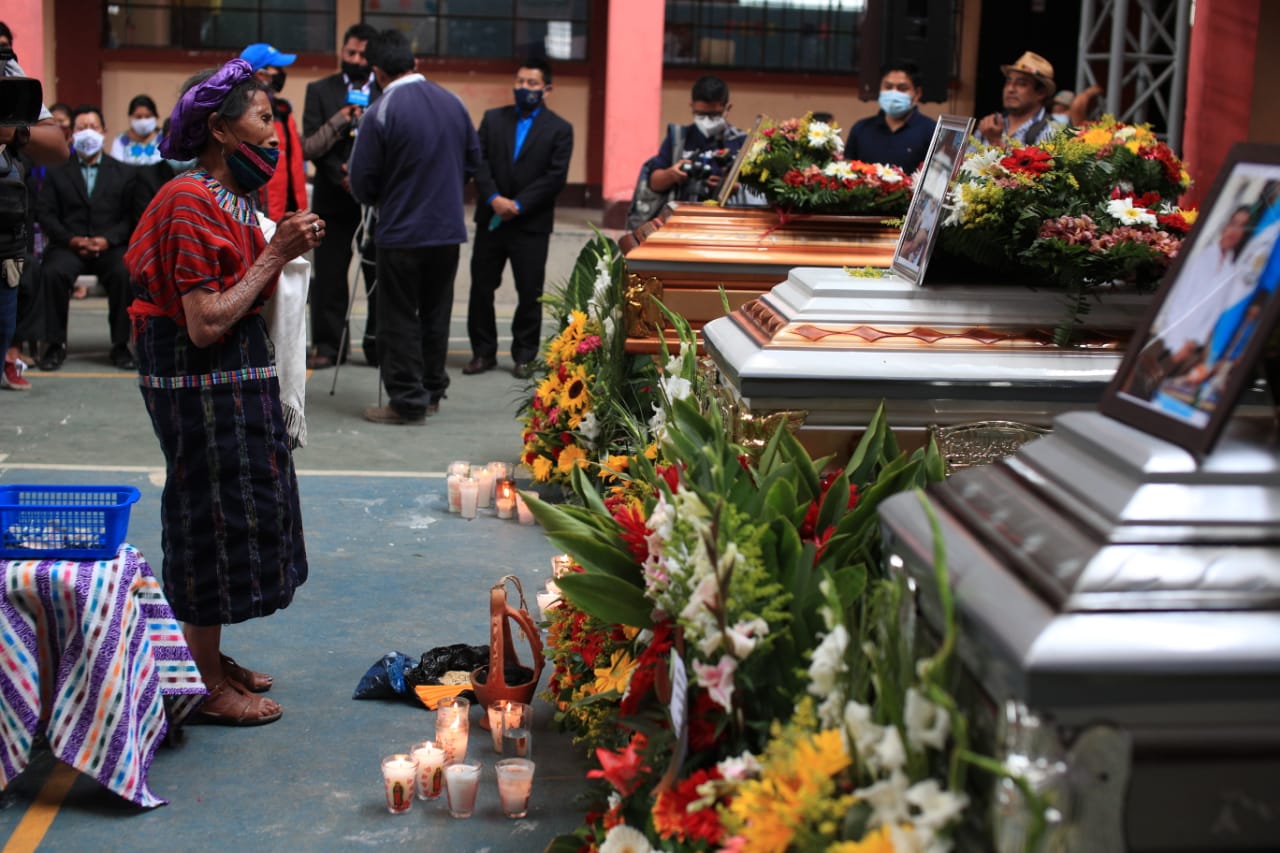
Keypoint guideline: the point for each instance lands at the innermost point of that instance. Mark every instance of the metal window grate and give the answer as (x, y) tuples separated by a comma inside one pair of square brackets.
[(288, 25)]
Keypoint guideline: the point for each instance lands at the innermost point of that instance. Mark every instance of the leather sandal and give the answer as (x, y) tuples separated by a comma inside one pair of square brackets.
[(228, 705), (254, 682)]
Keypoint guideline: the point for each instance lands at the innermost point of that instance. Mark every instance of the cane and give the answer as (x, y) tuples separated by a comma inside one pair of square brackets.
[(357, 241)]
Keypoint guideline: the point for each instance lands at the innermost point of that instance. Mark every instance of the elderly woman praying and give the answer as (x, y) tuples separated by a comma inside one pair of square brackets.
[(202, 269)]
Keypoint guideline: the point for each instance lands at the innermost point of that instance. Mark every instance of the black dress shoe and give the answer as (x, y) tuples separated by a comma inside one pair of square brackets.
[(479, 365), (522, 370), (123, 359), (54, 356)]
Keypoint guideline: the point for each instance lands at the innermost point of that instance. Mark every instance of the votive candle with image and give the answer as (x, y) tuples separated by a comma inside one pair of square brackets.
[(430, 760), (453, 726), (399, 777)]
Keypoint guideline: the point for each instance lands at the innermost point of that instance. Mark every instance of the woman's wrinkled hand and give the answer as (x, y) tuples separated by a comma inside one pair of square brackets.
[(297, 233)]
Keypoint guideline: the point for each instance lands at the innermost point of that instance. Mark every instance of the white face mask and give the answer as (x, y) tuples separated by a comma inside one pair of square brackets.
[(709, 126), (88, 142), (143, 126)]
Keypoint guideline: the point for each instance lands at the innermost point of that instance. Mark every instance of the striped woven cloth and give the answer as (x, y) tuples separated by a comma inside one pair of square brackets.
[(93, 655)]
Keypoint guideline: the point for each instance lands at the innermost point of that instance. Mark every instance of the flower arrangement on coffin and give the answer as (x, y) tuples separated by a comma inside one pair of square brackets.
[(752, 685), (799, 167), (586, 390), (1089, 207)]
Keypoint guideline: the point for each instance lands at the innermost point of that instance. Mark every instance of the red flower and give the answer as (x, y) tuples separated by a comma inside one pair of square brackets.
[(1173, 221), (1028, 159), (672, 818), (670, 473), (650, 661), (622, 769), (589, 343), (705, 715), (793, 178), (631, 519)]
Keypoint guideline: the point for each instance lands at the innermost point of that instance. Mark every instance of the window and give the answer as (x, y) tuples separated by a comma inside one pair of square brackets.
[(288, 25), (487, 29), (775, 35)]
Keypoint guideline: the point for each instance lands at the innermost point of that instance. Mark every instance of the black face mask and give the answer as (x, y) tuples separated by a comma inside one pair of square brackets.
[(357, 74), (277, 81)]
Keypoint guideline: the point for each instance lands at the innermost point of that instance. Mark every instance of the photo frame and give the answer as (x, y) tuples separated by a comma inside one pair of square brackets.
[(1202, 339), (924, 215), (731, 177)]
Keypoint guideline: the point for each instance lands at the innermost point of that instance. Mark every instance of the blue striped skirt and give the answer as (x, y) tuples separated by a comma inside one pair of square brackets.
[(232, 526)]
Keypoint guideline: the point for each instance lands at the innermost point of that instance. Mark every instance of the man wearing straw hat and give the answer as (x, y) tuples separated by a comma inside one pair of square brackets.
[(1028, 85)]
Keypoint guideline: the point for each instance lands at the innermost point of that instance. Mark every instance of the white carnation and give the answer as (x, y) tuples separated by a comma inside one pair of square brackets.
[(625, 839), (927, 724), (828, 661)]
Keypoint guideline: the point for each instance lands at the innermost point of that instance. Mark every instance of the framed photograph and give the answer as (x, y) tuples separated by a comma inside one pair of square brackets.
[(1201, 341), (731, 177), (941, 165)]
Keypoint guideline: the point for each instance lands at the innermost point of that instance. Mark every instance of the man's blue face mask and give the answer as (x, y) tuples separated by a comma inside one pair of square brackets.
[(894, 103)]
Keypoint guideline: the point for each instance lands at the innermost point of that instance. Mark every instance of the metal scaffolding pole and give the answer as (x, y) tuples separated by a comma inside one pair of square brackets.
[(1139, 47)]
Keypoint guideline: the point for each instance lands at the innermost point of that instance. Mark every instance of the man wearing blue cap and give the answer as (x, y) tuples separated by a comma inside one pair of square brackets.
[(287, 189)]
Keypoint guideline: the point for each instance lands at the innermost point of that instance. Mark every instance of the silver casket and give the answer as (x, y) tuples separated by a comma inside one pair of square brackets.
[(1119, 611), (831, 346)]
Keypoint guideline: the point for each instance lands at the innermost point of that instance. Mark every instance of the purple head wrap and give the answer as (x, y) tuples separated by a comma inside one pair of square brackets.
[(189, 122)]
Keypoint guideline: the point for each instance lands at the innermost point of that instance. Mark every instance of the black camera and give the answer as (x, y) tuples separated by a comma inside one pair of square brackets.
[(20, 99), (697, 170)]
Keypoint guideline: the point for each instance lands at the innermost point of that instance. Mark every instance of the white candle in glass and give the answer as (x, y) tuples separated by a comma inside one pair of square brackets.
[(484, 477), (430, 760), (506, 507), (399, 775), (468, 492), (462, 469), (522, 510), (455, 494)]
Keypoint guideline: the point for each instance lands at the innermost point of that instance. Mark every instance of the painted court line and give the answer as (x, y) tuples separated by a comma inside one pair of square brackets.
[(147, 469), (39, 816)]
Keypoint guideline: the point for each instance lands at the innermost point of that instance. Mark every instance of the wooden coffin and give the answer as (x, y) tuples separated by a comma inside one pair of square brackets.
[(691, 251)]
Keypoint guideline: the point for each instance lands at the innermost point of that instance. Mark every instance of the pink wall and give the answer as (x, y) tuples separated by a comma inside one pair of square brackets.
[(633, 94), (26, 19)]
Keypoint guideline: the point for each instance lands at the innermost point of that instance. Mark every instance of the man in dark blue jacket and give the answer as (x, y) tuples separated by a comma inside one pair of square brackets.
[(415, 151), (899, 134), (526, 150)]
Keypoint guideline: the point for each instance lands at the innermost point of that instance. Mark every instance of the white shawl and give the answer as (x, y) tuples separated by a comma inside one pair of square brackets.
[(286, 316)]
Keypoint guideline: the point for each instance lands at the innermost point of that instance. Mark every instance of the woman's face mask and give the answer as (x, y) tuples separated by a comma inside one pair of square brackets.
[(252, 165), (143, 126)]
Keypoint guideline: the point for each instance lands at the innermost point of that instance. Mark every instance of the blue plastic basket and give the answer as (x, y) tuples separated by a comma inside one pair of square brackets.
[(64, 522)]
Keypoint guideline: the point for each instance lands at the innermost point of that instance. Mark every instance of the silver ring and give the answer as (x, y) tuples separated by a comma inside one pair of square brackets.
[(315, 226)]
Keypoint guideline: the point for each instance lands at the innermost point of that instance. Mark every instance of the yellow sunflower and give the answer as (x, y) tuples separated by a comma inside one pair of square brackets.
[(575, 397), (542, 469), (570, 456), (549, 389), (613, 466), (1097, 136)]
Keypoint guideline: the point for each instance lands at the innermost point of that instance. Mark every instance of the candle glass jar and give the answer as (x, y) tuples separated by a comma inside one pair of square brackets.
[(430, 760), (461, 783), (453, 727), (399, 778), (515, 785), (517, 730), (468, 492)]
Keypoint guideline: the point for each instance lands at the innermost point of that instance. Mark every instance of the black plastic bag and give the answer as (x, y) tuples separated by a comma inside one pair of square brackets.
[(436, 662)]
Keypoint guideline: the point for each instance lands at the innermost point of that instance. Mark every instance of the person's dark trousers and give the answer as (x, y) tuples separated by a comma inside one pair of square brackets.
[(30, 326), (58, 275), (415, 300), (331, 290), (8, 316), (527, 253)]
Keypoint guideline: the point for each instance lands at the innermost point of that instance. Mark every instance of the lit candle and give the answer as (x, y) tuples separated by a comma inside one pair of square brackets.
[(468, 494), (506, 507), (430, 760), (547, 600), (501, 471), (496, 711), (515, 785), (398, 778), (522, 509), (455, 494), (484, 477), (462, 469), (560, 565), (453, 728)]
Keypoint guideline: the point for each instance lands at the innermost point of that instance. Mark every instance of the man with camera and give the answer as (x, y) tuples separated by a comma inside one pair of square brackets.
[(27, 131), (330, 120), (706, 148)]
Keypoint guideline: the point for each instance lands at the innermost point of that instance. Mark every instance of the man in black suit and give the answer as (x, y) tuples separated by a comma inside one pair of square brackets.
[(86, 212), (330, 119), (526, 150)]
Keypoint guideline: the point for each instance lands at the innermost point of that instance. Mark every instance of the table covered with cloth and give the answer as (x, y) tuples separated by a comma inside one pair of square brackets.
[(92, 653)]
